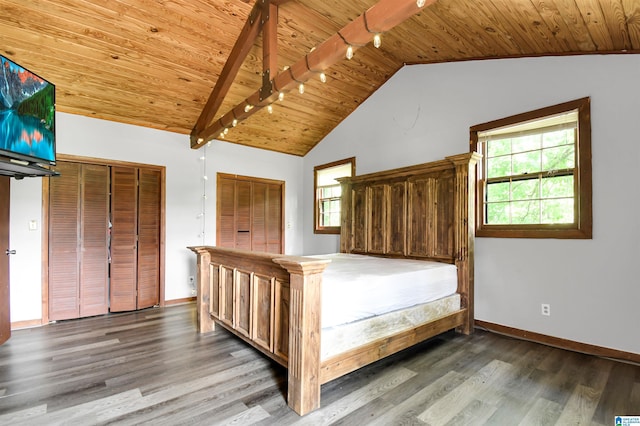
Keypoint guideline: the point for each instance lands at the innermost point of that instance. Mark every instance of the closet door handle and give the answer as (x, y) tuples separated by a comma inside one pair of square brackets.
[(244, 231)]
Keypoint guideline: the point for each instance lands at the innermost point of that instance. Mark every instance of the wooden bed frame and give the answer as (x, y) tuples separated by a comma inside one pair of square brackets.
[(272, 301)]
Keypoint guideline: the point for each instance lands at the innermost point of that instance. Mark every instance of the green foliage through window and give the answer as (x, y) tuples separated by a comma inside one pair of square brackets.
[(530, 178)]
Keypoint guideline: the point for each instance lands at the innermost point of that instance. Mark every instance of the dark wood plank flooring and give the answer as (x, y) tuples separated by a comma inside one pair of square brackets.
[(151, 367)]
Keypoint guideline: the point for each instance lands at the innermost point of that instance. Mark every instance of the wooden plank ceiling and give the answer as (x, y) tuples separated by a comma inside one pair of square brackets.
[(154, 63)]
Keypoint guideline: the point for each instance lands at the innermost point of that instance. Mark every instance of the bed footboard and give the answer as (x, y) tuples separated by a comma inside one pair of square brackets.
[(272, 302)]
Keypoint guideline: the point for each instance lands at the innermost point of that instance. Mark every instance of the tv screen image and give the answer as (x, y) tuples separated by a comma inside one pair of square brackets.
[(27, 114)]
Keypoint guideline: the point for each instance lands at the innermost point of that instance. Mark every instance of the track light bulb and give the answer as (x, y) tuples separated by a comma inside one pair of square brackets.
[(270, 109), (420, 3), (301, 88), (377, 40), (323, 77), (349, 52), (281, 96), (248, 107), (221, 135), (234, 123), (226, 130)]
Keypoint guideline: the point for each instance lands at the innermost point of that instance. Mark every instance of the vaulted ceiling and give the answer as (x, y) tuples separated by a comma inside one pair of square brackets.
[(154, 63)]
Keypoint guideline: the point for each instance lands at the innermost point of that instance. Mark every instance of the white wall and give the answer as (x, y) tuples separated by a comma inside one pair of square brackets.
[(185, 187), (424, 113)]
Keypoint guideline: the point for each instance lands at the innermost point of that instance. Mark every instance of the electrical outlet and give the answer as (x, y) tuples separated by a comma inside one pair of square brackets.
[(545, 309)]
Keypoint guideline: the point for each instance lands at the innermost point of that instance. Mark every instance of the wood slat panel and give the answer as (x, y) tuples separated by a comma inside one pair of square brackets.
[(259, 214), (64, 234), (124, 214), (94, 235), (275, 218), (149, 207)]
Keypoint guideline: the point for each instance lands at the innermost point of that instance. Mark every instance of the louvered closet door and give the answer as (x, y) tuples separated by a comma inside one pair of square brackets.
[(259, 220), (243, 215), (64, 233), (273, 214), (249, 214), (94, 225), (226, 207), (149, 204), (78, 223), (124, 221)]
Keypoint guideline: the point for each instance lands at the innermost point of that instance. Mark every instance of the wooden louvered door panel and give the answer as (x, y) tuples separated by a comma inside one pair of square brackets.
[(226, 207), (274, 218), (64, 233), (94, 225), (259, 206), (243, 215), (124, 214), (149, 205)]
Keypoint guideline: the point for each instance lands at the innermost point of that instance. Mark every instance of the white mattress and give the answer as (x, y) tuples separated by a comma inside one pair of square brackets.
[(355, 287)]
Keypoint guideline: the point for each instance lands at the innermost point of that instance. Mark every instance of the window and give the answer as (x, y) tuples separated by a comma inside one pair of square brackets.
[(327, 194), (535, 175)]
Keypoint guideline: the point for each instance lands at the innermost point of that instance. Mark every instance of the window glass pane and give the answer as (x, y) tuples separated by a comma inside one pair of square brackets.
[(559, 137), (557, 187), (498, 213), (498, 192), (334, 219), (525, 189), (498, 147), (525, 212), (526, 143), (562, 157), (499, 166), (557, 210), (526, 162)]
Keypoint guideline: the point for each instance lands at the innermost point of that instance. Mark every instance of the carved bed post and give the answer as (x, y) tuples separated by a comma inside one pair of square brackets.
[(465, 165), (205, 322), (304, 331)]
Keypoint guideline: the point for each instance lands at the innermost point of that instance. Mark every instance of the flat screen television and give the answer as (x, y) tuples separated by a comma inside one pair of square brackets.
[(27, 115)]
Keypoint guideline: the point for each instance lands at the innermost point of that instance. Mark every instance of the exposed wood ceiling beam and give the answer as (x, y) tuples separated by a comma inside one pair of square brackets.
[(379, 18), (238, 54)]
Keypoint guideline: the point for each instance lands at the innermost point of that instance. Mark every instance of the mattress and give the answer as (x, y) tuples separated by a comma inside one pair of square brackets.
[(355, 287)]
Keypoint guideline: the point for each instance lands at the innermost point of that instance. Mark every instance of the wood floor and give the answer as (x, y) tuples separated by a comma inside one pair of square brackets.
[(151, 367)]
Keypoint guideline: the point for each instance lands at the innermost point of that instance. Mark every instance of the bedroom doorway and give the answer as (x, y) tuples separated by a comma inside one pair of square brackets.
[(5, 317), (249, 213)]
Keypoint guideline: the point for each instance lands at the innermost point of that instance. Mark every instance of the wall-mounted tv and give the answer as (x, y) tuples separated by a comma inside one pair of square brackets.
[(27, 115)]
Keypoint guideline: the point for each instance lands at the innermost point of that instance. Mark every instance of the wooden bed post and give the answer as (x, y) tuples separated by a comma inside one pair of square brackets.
[(205, 322), (304, 331), (465, 165)]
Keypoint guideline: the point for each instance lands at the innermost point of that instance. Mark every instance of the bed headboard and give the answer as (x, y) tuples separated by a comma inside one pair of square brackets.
[(426, 211)]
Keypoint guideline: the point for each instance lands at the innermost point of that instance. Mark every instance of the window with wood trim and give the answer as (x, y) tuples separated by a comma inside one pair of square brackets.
[(535, 175), (327, 194)]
